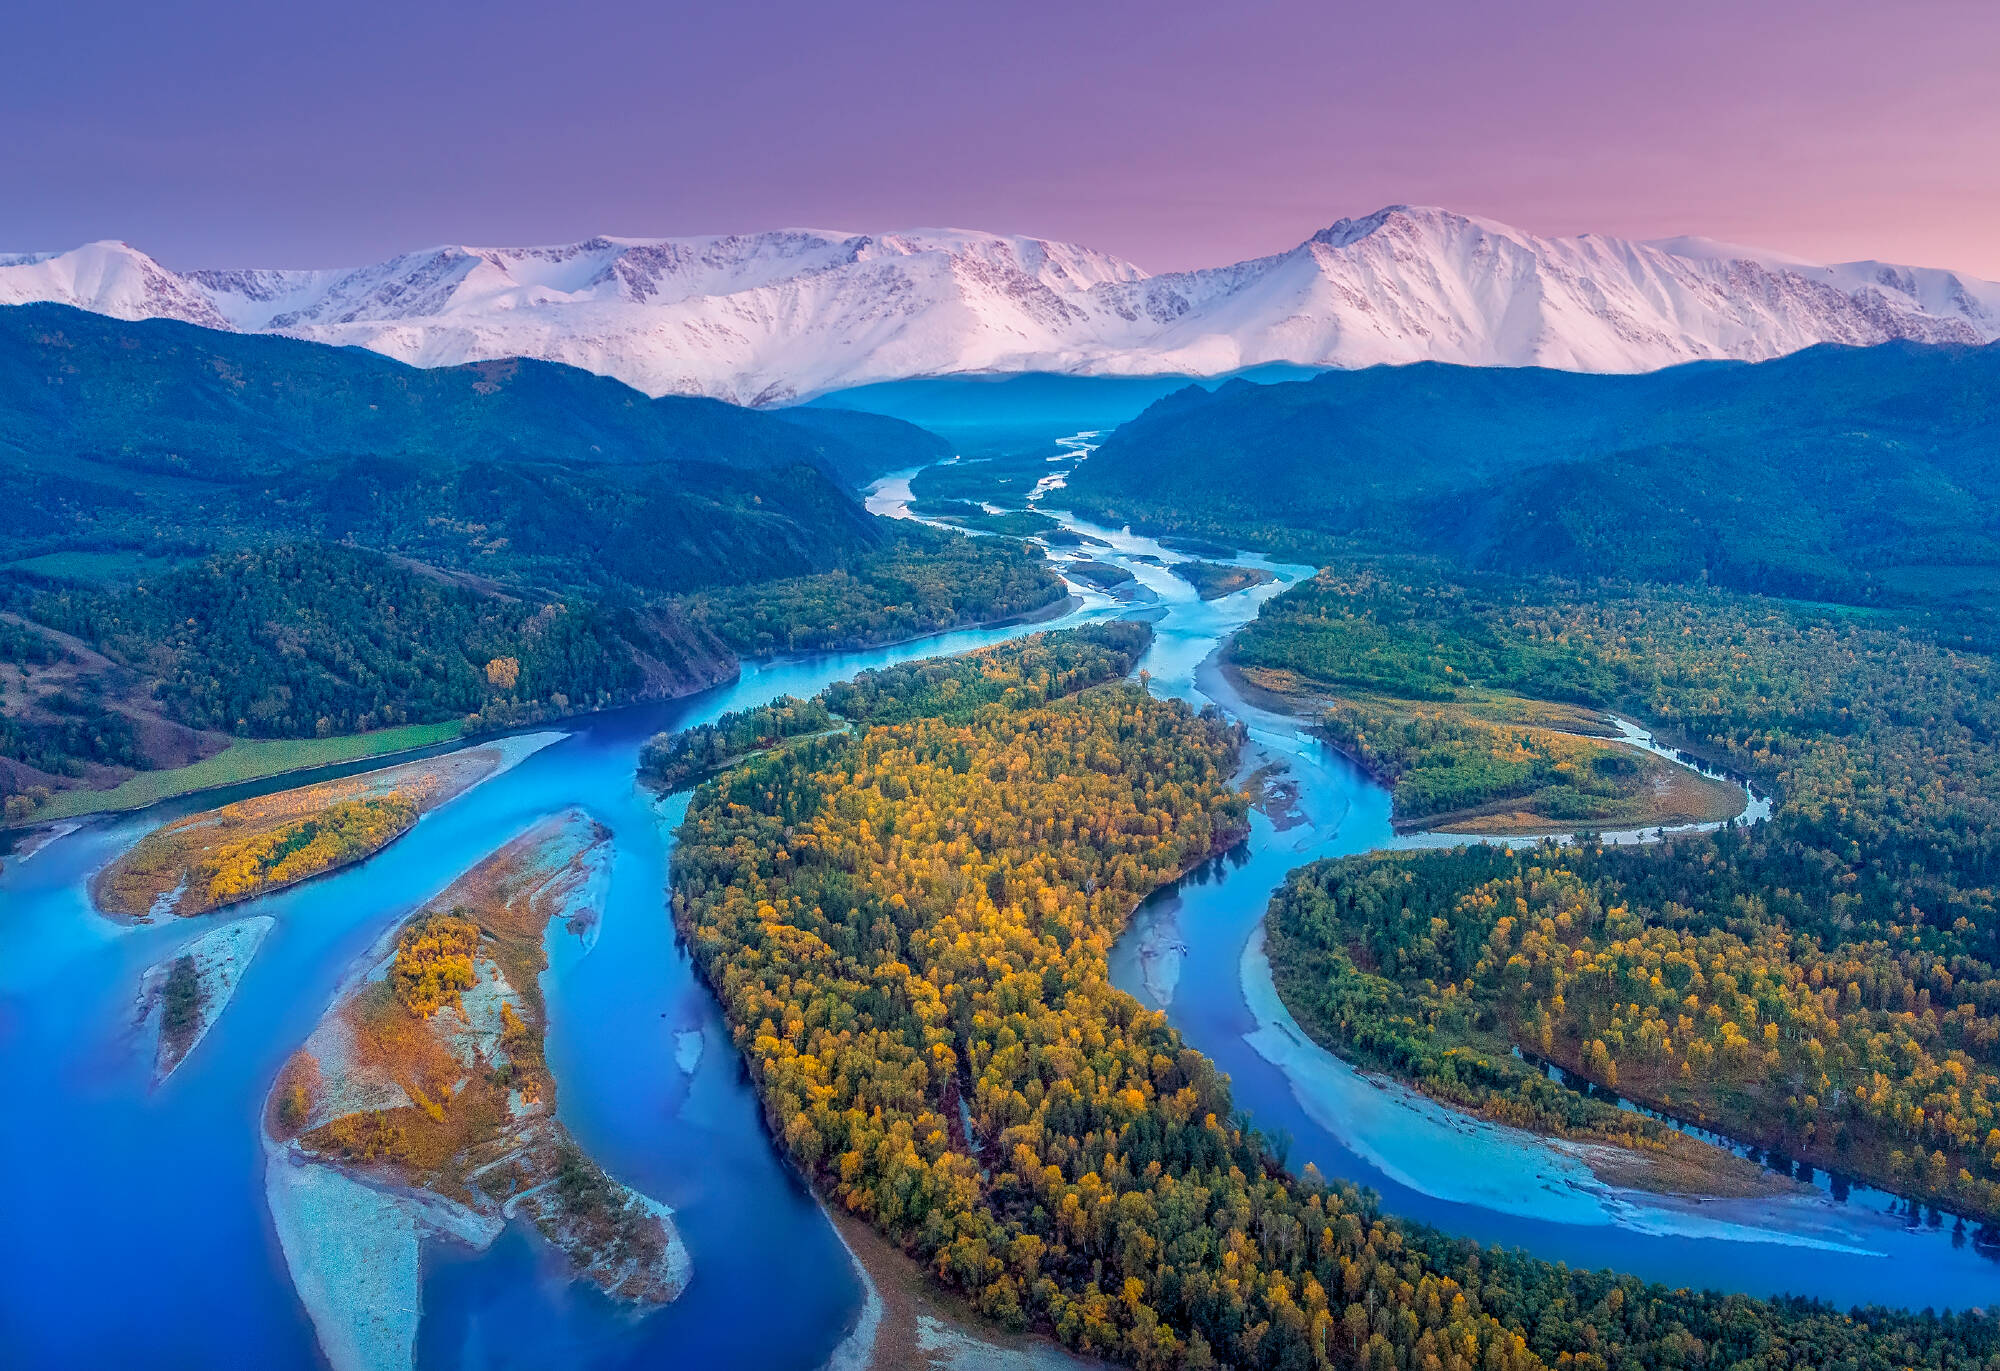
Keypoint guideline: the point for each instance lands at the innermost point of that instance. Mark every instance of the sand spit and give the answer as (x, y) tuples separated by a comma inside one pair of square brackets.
[(1161, 952), (421, 1109), (650, 1267), (906, 1324), (38, 838), (354, 1252), (216, 962)]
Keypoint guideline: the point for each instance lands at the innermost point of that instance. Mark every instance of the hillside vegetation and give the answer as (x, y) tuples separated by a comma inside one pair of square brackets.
[(1851, 474), (194, 402), (251, 537)]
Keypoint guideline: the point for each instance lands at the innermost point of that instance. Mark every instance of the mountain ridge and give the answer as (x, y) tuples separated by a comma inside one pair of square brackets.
[(775, 317), (1835, 473)]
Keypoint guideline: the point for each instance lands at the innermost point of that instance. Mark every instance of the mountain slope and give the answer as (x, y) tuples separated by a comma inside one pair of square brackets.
[(206, 535), (774, 317), (1857, 474), (78, 385)]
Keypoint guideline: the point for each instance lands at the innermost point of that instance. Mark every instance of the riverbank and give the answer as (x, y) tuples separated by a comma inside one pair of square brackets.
[(1414, 1139), (1681, 1163), (1460, 1067), (25, 843), (355, 1253), (241, 762), (1669, 1163), (907, 1322), (1636, 786), (1064, 603)]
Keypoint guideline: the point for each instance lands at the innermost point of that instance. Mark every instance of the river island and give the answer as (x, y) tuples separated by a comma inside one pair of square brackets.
[(222, 857), (422, 1108)]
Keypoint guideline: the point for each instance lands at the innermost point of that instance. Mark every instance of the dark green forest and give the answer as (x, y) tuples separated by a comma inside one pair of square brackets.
[(674, 760), (1864, 475), (303, 640), (272, 538), (166, 440), (920, 581), (187, 401)]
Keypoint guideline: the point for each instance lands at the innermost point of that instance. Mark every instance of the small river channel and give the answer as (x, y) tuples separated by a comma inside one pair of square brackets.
[(136, 1218)]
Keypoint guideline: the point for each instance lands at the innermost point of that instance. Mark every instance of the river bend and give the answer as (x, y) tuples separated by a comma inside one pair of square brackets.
[(137, 1220)]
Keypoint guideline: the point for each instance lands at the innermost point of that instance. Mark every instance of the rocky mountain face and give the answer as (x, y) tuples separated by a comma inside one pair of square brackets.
[(772, 318)]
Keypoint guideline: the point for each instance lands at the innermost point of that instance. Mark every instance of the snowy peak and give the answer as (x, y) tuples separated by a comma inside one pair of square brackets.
[(106, 278), (1407, 223), (773, 317)]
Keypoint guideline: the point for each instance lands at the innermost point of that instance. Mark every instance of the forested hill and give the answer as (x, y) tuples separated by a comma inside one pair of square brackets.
[(198, 402), (260, 537), (1854, 474), (172, 441), (860, 447)]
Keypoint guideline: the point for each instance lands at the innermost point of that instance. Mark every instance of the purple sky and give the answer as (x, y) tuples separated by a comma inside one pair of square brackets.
[(304, 134)]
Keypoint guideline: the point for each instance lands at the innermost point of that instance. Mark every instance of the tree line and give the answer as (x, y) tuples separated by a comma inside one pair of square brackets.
[(907, 926), (1823, 984)]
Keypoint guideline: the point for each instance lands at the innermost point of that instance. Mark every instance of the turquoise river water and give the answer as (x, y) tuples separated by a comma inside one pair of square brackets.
[(135, 1219)]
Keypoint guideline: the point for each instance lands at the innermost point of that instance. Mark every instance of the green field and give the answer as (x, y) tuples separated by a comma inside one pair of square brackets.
[(246, 761), (92, 568)]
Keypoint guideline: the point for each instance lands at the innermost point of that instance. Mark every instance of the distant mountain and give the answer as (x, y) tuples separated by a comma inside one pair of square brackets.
[(771, 318), (1854, 474)]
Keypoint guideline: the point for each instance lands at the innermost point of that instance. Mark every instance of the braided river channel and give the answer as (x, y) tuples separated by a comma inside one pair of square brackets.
[(137, 1229)]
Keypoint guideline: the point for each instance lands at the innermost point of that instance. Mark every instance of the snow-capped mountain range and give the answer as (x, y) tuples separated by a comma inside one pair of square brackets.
[(774, 317)]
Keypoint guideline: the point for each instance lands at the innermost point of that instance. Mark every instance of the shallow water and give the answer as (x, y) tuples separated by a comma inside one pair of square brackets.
[(137, 1224), (1437, 1166), (1426, 1162), (1202, 937), (137, 1227)]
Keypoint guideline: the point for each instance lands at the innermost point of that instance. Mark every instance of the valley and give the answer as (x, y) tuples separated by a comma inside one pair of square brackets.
[(248, 555), (1855, 476), (1339, 743), (765, 794)]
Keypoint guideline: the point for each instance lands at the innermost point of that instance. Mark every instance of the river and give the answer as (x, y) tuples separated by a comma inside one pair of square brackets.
[(137, 1222)]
